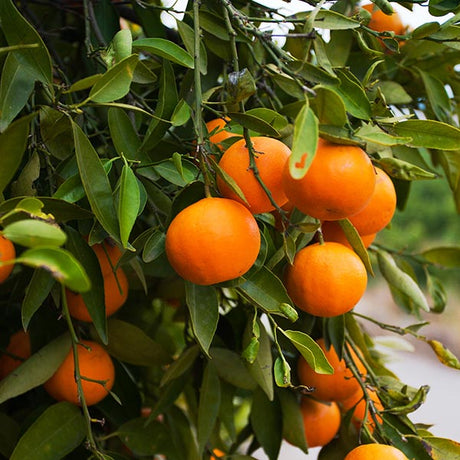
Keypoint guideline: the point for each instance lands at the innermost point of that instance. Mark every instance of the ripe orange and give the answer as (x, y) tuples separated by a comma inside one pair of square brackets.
[(18, 350), (321, 421), (331, 387), (108, 255), (338, 184), (375, 452), (326, 279), (270, 158), (7, 252), (212, 240), (115, 294), (217, 452), (332, 231), (357, 404), (221, 131), (379, 211), (95, 364), (382, 22)]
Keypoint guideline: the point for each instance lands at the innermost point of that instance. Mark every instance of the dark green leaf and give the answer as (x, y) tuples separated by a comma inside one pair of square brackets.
[(165, 49), (36, 292), (36, 370), (128, 203), (168, 170), (441, 448), (56, 433), (132, 345), (403, 170), (448, 257), (413, 404), (254, 123), (95, 182), (9, 434), (181, 365), (240, 85), (154, 246), (273, 118), (203, 305), (34, 233), (393, 92), (209, 405), (56, 132), (329, 107), (115, 83), (188, 37)]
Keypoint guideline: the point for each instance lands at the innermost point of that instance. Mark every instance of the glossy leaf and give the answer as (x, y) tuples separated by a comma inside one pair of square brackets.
[(36, 370), (60, 263), (35, 233), (203, 307), (37, 291), (95, 182), (304, 143), (181, 114), (128, 203), (209, 404), (165, 49), (115, 83), (310, 350), (56, 433), (154, 246)]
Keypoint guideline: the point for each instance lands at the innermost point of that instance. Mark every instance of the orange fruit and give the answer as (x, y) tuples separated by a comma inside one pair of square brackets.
[(7, 252), (95, 364), (379, 211), (108, 255), (115, 294), (326, 279), (218, 453), (382, 22), (270, 158), (338, 184), (331, 387), (221, 131), (332, 231), (18, 350), (212, 240), (357, 404), (375, 452), (321, 421)]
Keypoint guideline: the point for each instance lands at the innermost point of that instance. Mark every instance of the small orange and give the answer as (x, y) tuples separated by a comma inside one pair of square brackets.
[(108, 255), (18, 350), (326, 279), (321, 421), (331, 387), (221, 131), (94, 363), (332, 231), (7, 252), (115, 294), (218, 453), (212, 240), (379, 211), (375, 452), (382, 22), (357, 404), (270, 157), (338, 183)]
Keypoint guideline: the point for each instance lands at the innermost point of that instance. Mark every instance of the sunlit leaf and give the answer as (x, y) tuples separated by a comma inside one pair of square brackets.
[(34, 233), (165, 49)]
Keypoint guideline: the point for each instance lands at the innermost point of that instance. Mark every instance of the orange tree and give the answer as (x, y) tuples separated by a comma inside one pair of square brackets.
[(204, 342)]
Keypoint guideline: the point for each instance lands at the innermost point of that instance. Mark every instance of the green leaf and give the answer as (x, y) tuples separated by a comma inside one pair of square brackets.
[(187, 35), (181, 365), (314, 73), (441, 448), (154, 246), (393, 92), (15, 88), (266, 291), (36, 370), (436, 94), (254, 123), (431, 134), (165, 49), (36, 61), (132, 345), (60, 263), (310, 350), (404, 170), (34, 233), (293, 428), (36, 292), (329, 107), (413, 404), (181, 114), (401, 280), (240, 86), (282, 372), (444, 355), (266, 422), (128, 203), (376, 135), (304, 143), (122, 44), (445, 256), (57, 432), (274, 119), (203, 306), (9, 434), (56, 132), (95, 182), (13, 142), (332, 20), (115, 83), (208, 408), (84, 83)]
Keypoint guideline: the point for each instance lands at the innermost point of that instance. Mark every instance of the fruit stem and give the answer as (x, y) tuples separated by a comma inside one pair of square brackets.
[(77, 375)]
